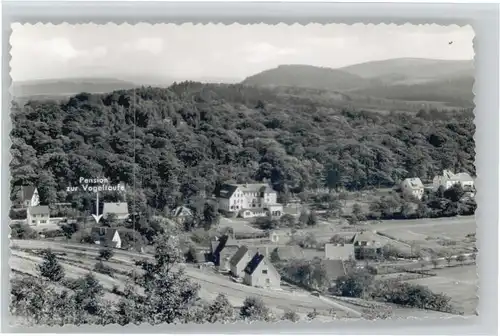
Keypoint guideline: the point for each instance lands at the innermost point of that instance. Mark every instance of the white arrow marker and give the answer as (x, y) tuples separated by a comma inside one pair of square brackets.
[(97, 217)]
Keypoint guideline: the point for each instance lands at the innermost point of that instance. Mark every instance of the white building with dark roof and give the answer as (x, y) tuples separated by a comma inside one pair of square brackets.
[(259, 272), (38, 215), (249, 200), (120, 210)]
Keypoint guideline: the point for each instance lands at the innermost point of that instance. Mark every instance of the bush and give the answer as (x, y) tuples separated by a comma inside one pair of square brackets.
[(101, 268), (355, 284), (106, 253)]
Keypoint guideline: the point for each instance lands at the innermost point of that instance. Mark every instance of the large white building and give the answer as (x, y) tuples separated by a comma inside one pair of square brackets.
[(448, 179), (413, 187), (249, 200)]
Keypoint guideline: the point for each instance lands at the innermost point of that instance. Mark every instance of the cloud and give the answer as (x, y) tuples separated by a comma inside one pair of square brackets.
[(264, 52), (153, 45)]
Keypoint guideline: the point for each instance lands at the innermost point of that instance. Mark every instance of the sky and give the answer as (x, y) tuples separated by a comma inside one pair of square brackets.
[(216, 51)]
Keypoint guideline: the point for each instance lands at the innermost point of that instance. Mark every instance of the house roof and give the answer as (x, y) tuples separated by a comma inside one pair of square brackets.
[(415, 182), (256, 261), (24, 192), (182, 211), (463, 177), (116, 208), (365, 236), (223, 242), (238, 256), (39, 210), (227, 190), (334, 268)]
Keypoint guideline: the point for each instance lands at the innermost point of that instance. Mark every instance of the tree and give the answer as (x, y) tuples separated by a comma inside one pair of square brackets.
[(312, 315), (275, 256), (312, 219), (210, 215), (106, 253), (448, 258), (254, 309), (435, 262), (220, 310), (290, 315), (357, 210), (354, 284), (303, 218), (70, 229), (287, 220), (353, 220), (337, 239), (168, 292), (460, 259), (50, 267)]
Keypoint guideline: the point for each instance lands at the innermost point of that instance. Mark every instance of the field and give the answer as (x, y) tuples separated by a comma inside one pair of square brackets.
[(460, 283), (438, 235)]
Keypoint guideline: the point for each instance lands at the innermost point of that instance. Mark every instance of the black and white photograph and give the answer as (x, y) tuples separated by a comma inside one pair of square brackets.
[(212, 173)]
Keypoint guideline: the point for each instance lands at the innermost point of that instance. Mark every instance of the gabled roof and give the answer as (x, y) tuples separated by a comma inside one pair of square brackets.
[(115, 208), (238, 256), (334, 268), (256, 261), (365, 236), (24, 192), (39, 210), (182, 211)]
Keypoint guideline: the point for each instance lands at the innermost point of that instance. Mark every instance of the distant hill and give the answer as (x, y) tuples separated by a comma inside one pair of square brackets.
[(406, 79), (411, 70), (307, 76), (66, 87)]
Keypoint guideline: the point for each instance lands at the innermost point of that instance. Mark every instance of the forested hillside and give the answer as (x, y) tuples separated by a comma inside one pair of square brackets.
[(404, 80), (191, 137)]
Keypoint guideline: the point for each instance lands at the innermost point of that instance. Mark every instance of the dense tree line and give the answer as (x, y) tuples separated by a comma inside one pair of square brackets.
[(175, 145)]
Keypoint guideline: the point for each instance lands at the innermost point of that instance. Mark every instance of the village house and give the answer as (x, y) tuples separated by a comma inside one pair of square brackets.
[(120, 210), (38, 215), (339, 251), (25, 196), (222, 249), (259, 272), (367, 245), (448, 179), (181, 214), (107, 237), (412, 187), (239, 261), (334, 269), (249, 200)]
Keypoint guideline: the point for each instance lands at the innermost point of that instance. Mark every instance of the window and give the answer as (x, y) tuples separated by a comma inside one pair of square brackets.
[(264, 272), (268, 281), (33, 222), (43, 221)]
